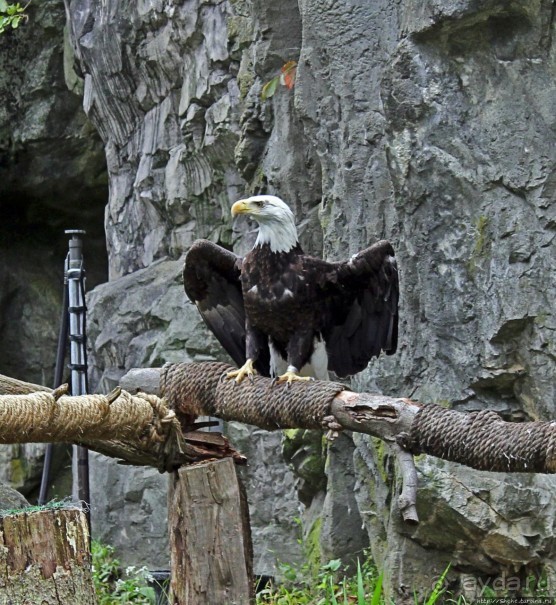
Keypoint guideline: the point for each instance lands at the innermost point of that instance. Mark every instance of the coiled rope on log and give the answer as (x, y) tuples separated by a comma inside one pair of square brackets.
[(202, 390), (139, 429), (483, 440), (55, 417), (147, 427)]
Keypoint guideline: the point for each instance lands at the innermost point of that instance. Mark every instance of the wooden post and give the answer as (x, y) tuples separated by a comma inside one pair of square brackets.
[(210, 543), (45, 558)]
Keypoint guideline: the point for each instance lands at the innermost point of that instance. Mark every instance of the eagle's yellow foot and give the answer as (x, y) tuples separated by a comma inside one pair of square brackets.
[(246, 370), (291, 376)]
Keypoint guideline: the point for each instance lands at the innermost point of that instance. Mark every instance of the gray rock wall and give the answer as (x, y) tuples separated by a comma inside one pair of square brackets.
[(440, 136), (429, 123), (160, 87), (52, 177), (160, 84)]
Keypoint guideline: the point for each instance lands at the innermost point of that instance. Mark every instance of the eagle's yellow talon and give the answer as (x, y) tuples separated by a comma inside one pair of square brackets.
[(246, 371), (290, 377)]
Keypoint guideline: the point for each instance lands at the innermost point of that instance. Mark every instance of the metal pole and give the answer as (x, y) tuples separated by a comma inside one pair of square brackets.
[(58, 377), (75, 273), (75, 276)]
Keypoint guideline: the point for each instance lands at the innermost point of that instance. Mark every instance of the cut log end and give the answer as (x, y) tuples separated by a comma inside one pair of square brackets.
[(45, 553)]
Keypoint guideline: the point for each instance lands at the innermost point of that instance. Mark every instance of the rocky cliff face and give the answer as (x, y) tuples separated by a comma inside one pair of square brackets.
[(52, 177), (429, 123)]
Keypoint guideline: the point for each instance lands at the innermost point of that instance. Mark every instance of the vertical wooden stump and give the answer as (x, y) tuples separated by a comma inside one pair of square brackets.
[(210, 539), (45, 558)]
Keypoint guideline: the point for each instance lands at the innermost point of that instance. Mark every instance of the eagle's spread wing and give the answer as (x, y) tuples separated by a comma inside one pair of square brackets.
[(211, 278), (361, 309)]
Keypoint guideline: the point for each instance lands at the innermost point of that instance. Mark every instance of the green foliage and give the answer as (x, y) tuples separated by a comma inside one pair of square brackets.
[(286, 77), (438, 588), (11, 15), (65, 503), (377, 593), (330, 586), (360, 585), (269, 88), (114, 586)]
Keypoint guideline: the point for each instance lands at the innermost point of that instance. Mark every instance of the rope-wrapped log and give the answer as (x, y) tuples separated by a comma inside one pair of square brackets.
[(481, 440), (201, 390), (54, 417), (139, 429)]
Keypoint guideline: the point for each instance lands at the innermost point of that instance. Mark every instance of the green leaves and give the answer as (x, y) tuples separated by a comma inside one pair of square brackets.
[(114, 585), (286, 77), (269, 88), (11, 15), (329, 586), (377, 592), (438, 588)]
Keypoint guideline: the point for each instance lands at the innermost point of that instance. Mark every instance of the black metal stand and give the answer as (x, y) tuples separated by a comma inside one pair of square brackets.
[(72, 323), (75, 273), (58, 378)]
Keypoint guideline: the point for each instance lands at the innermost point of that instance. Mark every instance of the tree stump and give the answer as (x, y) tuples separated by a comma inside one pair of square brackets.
[(210, 547), (45, 558)]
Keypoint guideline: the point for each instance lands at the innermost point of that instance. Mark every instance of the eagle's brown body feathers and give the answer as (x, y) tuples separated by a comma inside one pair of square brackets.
[(280, 304), (288, 300)]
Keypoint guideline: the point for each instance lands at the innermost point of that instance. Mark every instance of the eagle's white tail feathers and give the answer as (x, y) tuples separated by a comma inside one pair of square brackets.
[(317, 367)]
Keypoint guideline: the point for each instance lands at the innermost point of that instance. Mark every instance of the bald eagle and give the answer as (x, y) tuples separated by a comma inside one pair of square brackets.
[(279, 307)]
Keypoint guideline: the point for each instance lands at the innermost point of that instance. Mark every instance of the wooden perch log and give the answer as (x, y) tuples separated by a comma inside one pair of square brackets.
[(481, 440), (138, 429)]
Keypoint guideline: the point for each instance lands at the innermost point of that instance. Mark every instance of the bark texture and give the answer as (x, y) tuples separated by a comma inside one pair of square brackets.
[(211, 552), (45, 558)]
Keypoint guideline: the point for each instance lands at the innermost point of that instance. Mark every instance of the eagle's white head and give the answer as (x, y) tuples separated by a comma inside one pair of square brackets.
[(275, 219)]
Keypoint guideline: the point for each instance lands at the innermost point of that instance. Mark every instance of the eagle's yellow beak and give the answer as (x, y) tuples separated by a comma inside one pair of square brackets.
[(241, 207)]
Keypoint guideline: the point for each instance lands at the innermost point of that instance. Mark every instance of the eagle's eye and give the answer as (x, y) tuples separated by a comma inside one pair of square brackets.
[(258, 203)]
